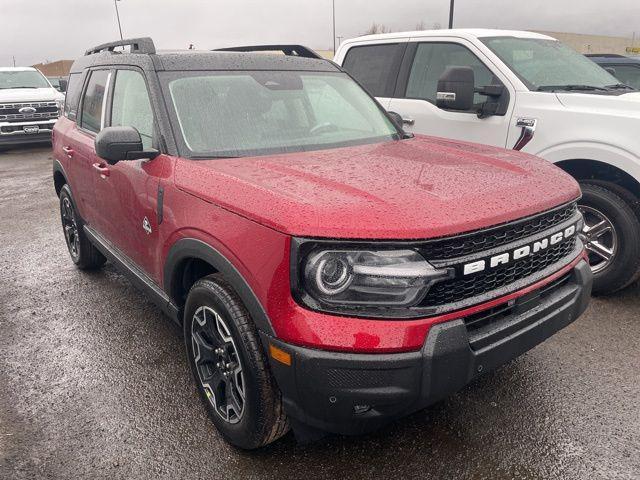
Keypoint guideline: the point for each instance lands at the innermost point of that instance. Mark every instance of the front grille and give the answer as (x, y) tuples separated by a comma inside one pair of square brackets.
[(10, 112), (462, 288), (485, 240)]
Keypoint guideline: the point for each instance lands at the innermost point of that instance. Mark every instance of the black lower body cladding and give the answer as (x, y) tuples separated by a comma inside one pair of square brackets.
[(356, 393)]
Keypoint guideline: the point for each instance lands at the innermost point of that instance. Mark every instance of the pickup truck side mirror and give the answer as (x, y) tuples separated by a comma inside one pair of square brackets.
[(456, 89), (396, 118), (121, 143), (611, 70), (63, 84)]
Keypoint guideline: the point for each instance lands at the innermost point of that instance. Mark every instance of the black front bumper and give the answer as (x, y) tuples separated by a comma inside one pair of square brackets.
[(356, 393), (25, 139)]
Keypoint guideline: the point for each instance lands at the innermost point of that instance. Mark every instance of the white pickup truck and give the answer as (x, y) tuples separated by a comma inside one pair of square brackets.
[(29, 106), (528, 92)]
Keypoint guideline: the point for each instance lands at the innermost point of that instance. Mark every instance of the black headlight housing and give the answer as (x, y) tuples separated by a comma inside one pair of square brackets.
[(368, 279)]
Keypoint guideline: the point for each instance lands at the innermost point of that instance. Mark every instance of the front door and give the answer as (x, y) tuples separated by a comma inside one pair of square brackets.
[(127, 192), (417, 96)]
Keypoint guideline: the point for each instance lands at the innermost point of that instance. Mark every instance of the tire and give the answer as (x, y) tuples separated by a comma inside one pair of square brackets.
[(608, 205), (220, 338), (83, 253)]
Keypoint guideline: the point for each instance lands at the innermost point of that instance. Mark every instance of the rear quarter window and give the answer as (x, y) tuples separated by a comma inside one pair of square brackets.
[(91, 117), (72, 95), (375, 66)]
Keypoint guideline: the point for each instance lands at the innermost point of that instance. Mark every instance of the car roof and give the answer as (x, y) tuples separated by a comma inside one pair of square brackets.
[(17, 69), (194, 60), (618, 59), (468, 33)]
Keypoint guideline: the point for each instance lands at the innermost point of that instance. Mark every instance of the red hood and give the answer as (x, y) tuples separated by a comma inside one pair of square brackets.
[(412, 189)]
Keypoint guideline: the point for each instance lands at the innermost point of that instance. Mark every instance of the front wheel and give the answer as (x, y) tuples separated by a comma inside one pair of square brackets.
[(229, 366), (611, 236)]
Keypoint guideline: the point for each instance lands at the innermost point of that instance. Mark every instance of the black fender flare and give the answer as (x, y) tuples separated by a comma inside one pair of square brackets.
[(58, 168), (192, 248)]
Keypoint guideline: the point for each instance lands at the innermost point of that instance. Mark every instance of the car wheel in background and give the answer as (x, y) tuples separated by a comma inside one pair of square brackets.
[(611, 236)]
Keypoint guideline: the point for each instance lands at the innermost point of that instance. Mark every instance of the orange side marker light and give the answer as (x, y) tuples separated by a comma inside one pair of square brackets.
[(280, 355)]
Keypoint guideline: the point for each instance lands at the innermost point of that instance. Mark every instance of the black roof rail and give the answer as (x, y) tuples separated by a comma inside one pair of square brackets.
[(289, 50), (138, 45)]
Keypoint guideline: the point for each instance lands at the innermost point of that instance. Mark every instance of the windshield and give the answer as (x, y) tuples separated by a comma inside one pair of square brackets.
[(22, 79), (548, 64), (236, 114)]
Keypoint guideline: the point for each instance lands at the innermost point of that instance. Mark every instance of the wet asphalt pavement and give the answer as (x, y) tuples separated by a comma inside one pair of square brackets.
[(94, 384)]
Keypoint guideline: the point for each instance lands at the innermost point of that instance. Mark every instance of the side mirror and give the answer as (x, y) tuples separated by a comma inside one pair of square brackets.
[(396, 118), (456, 89), (611, 70), (63, 84), (121, 143)]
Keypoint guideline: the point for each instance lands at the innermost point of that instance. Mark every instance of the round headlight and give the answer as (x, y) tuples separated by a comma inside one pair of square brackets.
[(333, 276), (330, 273)]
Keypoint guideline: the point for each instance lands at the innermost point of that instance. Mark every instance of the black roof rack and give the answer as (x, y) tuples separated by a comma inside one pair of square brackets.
[(289, 50), (138, 45)]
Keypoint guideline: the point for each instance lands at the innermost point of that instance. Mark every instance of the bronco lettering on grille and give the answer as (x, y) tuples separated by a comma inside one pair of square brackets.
[(520, 252)]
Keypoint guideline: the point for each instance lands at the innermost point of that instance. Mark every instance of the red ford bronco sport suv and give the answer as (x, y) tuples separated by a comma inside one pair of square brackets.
[(331, 273)]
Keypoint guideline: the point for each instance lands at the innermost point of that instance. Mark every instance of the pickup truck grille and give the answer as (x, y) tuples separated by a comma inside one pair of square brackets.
[(10, 112), (463, 290)]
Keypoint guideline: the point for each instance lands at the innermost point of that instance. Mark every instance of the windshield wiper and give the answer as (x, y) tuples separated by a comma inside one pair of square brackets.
[(570, 88), (9, 88), (619, 86)]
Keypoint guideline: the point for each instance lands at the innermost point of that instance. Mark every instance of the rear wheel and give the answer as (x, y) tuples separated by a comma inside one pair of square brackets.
[(229, 366), (611, 236), (83, 253)]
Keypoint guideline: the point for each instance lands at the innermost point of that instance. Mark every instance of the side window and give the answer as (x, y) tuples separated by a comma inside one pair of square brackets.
[(131, 106), (627, 74), (375, 66), (93, 101), (430, 62), (72, 96)]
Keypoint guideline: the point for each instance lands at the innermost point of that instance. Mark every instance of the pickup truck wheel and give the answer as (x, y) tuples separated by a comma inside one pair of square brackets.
[(83, 253), (611, 236), (229, 366)]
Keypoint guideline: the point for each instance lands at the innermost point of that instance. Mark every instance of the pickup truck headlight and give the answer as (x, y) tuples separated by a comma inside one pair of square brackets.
[(60, 105), (364, 279)]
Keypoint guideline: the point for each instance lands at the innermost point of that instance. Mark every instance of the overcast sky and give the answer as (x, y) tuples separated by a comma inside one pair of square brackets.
[(38, 30)]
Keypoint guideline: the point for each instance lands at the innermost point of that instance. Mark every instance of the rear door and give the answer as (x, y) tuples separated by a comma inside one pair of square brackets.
[(415, 95), (127, 192), (376, 67)]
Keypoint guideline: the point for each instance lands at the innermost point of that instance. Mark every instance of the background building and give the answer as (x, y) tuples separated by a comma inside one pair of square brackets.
[(59, 68), (597, 43)]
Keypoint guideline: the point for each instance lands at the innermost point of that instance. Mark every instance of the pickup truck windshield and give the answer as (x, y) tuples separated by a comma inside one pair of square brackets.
[(246, 113), (548, 65), (22, 79)]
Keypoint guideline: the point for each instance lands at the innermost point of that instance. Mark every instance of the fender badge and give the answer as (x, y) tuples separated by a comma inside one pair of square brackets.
[(146, 226)]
